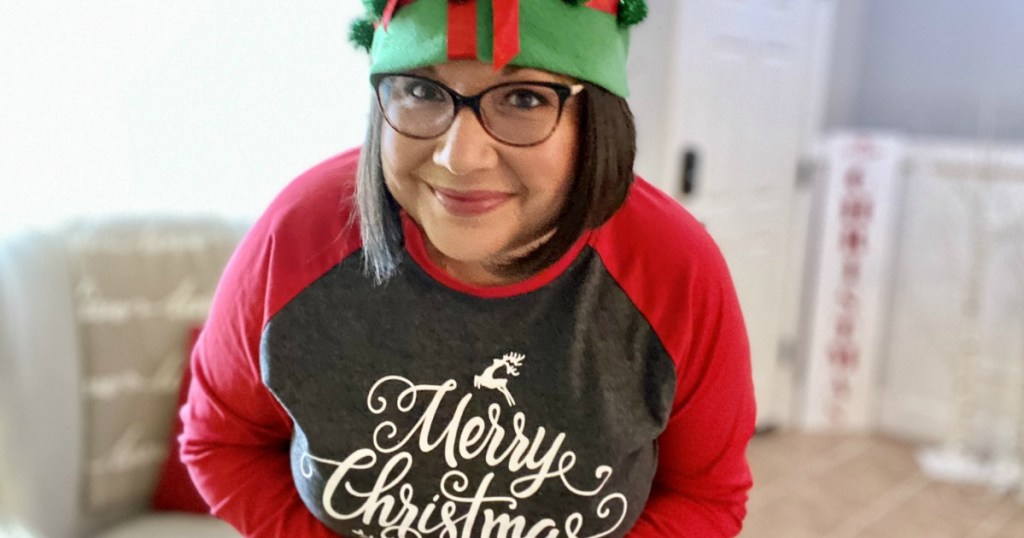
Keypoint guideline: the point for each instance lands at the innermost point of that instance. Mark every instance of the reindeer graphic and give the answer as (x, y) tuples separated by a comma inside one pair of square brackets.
[(510, 361)]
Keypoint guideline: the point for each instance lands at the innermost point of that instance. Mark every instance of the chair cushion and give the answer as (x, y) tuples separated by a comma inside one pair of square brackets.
[(139, 286)]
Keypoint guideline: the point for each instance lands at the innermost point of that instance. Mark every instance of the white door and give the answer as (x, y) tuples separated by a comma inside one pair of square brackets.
[(741, 95)]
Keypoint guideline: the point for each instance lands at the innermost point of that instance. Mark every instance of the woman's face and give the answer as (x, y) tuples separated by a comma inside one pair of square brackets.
[(480, 201)]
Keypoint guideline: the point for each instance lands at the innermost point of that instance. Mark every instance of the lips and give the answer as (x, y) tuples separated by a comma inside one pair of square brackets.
[(470, 203)]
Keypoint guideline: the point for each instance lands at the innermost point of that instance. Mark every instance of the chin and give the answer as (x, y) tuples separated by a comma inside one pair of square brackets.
[(468, 253), (462, 247)]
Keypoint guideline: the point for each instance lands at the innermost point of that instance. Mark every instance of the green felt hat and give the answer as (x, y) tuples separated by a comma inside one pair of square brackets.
[(585, 39)]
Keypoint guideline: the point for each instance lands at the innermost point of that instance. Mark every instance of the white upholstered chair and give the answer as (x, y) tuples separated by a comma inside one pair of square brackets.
[(94, 320)]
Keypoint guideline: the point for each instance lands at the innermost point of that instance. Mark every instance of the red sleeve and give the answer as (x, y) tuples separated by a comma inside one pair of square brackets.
[(236, 435), (679, 281), (701, 485)]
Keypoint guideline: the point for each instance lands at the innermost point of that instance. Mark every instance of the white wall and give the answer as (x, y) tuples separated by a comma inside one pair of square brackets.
[(939, 68), (170, 106), (649, 91)]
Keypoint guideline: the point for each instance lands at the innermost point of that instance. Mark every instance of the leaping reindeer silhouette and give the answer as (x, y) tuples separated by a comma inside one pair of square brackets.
[(487, 379)]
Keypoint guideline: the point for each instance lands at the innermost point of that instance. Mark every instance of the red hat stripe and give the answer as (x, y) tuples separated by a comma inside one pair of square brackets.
[(462, 29), (506, 32), (389, 11), (608, 6)]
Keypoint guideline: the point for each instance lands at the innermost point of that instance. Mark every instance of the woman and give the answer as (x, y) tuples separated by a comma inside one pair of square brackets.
[(480, 325)]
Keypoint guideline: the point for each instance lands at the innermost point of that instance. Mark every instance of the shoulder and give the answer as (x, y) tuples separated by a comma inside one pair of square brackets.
[(306, 230), (654, 237), (667, 264), (316, 200)]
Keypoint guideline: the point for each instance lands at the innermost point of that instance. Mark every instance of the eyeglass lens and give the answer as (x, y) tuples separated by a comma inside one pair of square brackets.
[(518, 113)]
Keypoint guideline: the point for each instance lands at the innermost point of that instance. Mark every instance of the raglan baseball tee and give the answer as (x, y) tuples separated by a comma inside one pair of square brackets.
[(608, 395)]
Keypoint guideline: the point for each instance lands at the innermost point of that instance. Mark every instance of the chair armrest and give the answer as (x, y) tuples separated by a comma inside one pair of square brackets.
[(39, 405)]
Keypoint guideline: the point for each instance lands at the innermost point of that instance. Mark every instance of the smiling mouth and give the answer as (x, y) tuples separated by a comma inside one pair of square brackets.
[(470, 203)]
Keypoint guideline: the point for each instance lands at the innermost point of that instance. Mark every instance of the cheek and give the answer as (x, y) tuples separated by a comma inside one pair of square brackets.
[(398, 160), (549, 180), (568, 145), (560, 164), (389, 153)]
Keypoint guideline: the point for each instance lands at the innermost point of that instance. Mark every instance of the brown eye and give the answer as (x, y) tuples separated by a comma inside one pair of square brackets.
[(424, 91), (525, 99)]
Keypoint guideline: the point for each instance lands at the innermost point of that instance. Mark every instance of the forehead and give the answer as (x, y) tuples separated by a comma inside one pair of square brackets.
[(465, 75)]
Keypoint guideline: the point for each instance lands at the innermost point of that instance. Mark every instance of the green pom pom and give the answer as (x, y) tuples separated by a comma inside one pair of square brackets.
[(375, 8), (631, 12), (361, 34)]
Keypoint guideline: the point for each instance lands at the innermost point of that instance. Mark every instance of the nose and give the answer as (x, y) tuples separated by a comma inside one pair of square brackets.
[(466, 147)]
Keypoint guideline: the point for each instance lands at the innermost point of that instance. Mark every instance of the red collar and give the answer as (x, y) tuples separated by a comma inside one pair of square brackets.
[(415, 244)]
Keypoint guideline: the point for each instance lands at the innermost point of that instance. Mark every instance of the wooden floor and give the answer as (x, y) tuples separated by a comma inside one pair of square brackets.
[(855, 487)]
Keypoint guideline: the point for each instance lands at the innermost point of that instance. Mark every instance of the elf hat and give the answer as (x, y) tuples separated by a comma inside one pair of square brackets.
[(585, 39)]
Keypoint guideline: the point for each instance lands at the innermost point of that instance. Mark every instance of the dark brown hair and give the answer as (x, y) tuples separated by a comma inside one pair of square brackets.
[(604, 172)]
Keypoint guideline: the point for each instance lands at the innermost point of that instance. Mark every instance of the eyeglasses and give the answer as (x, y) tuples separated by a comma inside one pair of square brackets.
[(515, 113)]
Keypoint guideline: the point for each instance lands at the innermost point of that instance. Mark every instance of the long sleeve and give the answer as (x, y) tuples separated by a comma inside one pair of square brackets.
[(702, 480), (236, 435), (701, 485), (677, 277)]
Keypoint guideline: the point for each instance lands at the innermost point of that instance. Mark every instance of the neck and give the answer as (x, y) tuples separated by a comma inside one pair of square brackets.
[(484, 273)]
